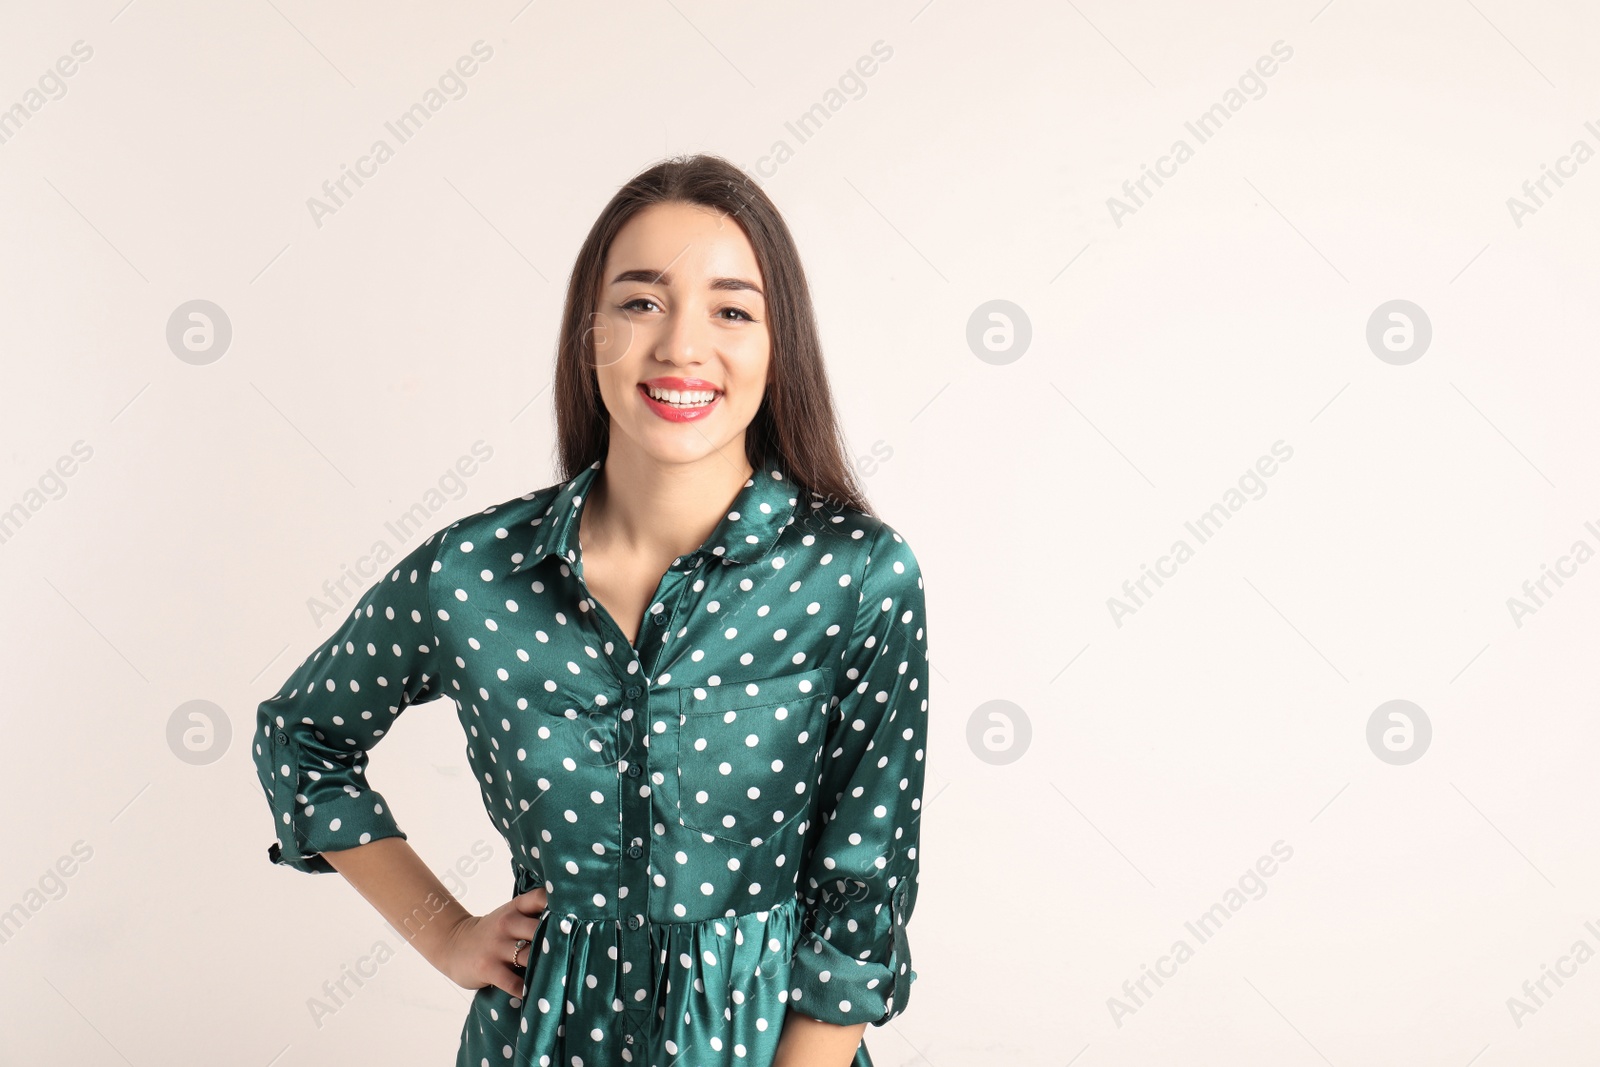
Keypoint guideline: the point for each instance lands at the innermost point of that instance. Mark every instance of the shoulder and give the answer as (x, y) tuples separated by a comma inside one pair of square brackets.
[(877, 552), (503, 520), (498, 531)]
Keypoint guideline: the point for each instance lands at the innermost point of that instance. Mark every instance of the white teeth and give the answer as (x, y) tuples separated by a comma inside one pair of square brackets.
[(689, 398)]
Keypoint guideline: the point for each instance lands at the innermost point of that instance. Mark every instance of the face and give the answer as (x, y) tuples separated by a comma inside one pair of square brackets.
[(680, 334)]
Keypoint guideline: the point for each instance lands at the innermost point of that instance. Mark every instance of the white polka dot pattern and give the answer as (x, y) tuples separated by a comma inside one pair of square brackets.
[(724, 814)]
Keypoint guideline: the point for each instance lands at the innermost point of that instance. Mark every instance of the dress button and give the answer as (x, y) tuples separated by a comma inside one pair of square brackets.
[(633, 922), (281, 738), (633, 692), (634, 852), (633, 770)]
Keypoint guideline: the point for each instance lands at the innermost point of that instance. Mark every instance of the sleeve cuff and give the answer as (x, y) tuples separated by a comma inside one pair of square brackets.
[(833, 987), (316, 814)]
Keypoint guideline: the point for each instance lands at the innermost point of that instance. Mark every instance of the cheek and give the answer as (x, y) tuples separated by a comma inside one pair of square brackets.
[(613, 387), (749, 401), (751, 383), (754, 369), (611, 336)]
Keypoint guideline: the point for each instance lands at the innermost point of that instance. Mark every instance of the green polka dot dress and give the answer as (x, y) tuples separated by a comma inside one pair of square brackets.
[(725, 817)]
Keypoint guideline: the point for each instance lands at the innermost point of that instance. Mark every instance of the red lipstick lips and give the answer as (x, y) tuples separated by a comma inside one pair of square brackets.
[(680, 412)]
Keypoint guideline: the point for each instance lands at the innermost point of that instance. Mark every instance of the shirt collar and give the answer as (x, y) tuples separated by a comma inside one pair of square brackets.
[(759, 513)]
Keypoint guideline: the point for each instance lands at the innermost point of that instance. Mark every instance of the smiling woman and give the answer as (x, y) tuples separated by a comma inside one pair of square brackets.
[(692, 677), (701, 309)]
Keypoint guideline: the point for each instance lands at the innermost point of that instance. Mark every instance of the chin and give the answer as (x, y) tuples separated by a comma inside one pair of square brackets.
[(686, 444)]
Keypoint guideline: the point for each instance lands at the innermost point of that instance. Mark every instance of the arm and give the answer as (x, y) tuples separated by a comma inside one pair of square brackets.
[(313, 737), (852, 964), (394, 880), (473, 951), (808, 1042), (311, 749)]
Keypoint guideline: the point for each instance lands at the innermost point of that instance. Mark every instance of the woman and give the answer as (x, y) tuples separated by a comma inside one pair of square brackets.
[(692, 679)]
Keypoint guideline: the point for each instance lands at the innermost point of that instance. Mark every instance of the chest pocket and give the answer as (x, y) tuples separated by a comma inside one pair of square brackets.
[(748, 753)]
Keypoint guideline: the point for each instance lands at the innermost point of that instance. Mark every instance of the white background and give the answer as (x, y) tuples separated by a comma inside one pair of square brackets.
[(1164, 756)]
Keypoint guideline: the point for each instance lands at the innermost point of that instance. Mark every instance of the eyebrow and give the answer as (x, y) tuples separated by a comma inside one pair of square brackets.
[(656, 277)]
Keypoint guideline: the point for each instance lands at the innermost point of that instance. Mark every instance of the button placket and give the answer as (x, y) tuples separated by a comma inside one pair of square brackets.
[(633, 883), (632, 889), (633, 877)]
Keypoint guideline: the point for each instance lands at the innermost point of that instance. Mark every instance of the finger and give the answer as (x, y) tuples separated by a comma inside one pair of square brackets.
[(532, 902), (509, 981)]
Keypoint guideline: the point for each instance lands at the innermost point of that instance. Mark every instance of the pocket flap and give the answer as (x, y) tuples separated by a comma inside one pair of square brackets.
[(815, 684)]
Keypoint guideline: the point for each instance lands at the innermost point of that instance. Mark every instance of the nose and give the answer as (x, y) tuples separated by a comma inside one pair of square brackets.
[(685, 340)]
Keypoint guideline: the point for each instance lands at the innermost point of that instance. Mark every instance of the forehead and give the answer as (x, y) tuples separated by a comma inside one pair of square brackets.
[(690, 242)]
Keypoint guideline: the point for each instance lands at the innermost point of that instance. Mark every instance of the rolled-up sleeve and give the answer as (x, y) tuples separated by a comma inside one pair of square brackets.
[(852, 962), (313, 736)]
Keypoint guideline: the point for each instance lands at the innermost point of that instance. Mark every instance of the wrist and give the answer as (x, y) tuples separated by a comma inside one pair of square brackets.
[(432, 926)]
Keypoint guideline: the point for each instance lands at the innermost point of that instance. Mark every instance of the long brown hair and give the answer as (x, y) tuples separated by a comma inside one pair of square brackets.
[(795, 423)]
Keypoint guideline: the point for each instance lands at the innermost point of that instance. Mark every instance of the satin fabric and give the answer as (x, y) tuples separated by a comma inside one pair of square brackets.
[(724, 815)]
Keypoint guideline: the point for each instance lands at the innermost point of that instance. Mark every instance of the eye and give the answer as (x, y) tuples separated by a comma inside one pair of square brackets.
[(741, 312), (629, 306)]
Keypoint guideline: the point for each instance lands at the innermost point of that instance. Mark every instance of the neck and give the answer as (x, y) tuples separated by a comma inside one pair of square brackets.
[(641, 507)]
